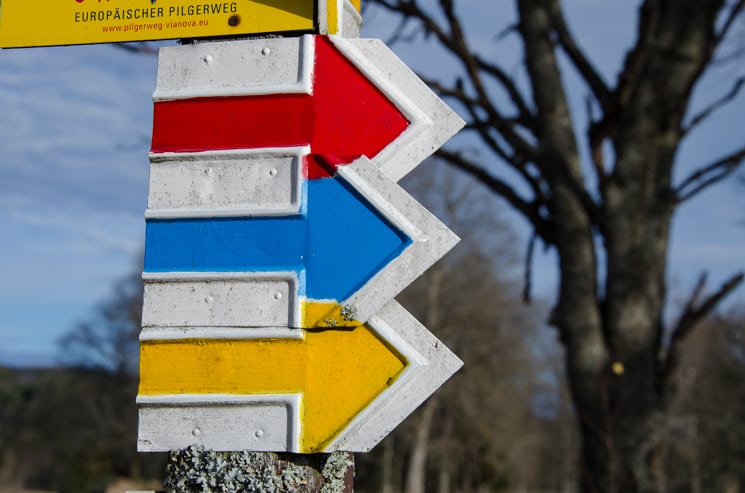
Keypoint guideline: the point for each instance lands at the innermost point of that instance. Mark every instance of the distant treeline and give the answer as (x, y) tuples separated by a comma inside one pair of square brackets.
[(69, 429)]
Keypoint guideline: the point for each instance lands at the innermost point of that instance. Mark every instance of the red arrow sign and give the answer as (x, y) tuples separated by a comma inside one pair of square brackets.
[(345, 117)]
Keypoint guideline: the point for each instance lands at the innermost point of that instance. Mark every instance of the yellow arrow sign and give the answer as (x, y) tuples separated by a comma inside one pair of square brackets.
[(338, 372), (25, 23)]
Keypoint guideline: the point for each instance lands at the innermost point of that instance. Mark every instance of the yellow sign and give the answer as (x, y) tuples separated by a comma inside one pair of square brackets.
[(338, 372), (25, 23)]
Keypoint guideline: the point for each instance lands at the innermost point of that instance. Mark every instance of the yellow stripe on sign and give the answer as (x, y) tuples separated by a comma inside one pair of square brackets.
[(339, 372), (63, 22)]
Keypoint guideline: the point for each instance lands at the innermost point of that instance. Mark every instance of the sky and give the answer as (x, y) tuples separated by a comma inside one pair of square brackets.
[(75, 126), (74, 131)]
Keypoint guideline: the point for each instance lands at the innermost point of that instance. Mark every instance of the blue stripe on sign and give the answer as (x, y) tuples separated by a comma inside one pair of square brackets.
[(341, 242)]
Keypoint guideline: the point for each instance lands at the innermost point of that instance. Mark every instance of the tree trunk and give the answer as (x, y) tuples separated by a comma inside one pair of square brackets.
[(613, 337), (387, 468), (619, 440), (416, 474), (443, 479)]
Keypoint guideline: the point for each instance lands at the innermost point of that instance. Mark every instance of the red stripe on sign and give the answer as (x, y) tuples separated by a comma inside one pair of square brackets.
[(345, 117), (242, 122)]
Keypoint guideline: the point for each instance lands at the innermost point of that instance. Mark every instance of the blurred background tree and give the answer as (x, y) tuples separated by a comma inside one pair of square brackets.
[(501, 423), (600, 187), (74, 428)]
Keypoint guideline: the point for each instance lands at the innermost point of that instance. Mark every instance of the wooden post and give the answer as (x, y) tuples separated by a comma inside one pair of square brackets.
[(198, 470)]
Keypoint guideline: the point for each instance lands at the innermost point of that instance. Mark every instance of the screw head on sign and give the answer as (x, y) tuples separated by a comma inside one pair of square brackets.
[(234, 20)]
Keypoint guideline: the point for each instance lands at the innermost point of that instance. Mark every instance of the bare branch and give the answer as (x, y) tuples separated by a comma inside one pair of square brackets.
[(530, 210), (583, 65), (729, 57), (527, 116), (729, 21), (695, 311), (143, 47), (529, 269), (512, 28), (454, 41), (691, 304), (479, 124), (709, 175), (558, 156), (649, 16), (513, 158), (398, 33), (706, 112)]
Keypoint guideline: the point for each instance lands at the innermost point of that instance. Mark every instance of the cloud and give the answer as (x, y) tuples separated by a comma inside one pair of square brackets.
[(97, 231), (75, 125)]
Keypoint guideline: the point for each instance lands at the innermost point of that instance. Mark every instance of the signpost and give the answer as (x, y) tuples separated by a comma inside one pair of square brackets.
[(25, 23), (277, 238)]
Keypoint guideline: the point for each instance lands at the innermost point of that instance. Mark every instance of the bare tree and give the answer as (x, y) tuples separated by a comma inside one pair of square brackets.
[(108, 338), (620, 356)]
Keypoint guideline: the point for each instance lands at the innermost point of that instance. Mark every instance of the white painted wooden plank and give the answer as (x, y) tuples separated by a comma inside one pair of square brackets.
[(219, 422), (220, 299), (226, 183), (267, 66)]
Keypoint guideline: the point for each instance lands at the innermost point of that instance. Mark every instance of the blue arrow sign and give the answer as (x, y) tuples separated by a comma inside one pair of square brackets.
[(336, 244)]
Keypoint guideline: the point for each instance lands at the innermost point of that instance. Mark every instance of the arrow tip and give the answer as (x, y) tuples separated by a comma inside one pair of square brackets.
[(347, 370)]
